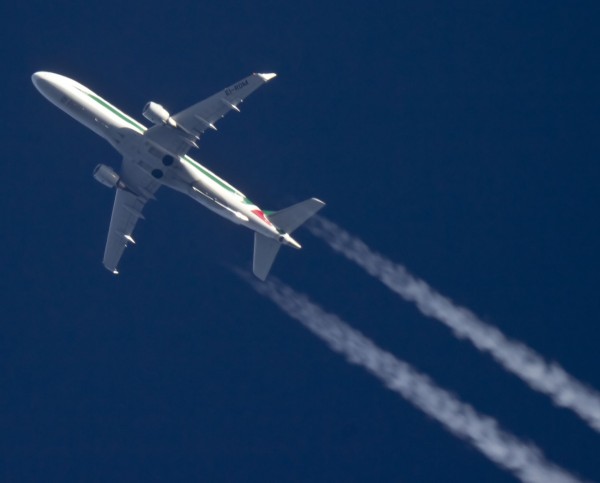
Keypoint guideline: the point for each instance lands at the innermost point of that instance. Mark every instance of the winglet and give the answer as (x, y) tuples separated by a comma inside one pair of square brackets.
[(267, 77)]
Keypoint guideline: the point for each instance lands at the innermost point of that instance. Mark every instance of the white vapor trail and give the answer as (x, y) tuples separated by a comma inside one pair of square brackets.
[(525, 461), (546, 377)]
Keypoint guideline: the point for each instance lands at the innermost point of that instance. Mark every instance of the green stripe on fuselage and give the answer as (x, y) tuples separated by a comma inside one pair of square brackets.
[(212, 176), (118, 113)]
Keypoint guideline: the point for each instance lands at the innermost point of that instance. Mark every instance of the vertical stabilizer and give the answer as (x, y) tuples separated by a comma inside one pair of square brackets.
[(265, 251)]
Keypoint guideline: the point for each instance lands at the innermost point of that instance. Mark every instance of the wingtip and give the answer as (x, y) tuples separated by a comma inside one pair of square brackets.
[(268, 77)]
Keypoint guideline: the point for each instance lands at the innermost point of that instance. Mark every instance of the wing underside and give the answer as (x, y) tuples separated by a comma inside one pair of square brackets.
[(196, 119), (127, 210), (137, 187)]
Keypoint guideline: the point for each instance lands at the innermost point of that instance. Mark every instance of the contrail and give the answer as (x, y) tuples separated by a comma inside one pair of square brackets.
[(524, 460), (546, 377)]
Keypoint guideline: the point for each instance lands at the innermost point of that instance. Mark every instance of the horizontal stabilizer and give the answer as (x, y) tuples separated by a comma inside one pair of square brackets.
[(265, 251), (291, 218)]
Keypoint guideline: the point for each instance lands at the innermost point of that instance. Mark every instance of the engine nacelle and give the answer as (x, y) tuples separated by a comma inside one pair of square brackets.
[(106, 175), (157, 114)]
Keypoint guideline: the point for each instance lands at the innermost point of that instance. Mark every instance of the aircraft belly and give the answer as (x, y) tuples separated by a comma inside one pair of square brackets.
[(94, 117), (213, 202), (79, 110), (208, 190)]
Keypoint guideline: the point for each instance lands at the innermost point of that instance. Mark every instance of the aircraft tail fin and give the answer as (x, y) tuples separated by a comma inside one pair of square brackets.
[(288, 219), (291, 218), (265, 251)]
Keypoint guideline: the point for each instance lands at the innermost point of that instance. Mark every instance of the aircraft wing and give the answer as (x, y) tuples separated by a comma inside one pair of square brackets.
[(193, 121), (127, 210)]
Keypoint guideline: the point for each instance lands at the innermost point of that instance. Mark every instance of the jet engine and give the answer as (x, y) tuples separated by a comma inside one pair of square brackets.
[(157, 114), (106, 175)]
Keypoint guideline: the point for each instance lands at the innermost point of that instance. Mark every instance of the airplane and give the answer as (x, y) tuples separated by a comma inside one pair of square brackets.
[(158, 156)]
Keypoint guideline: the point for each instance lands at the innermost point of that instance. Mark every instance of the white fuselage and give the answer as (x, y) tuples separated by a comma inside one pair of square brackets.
[(126, 135)]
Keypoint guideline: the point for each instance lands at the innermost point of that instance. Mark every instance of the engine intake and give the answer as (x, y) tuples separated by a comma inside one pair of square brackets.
[(106, 175), (157, 114)]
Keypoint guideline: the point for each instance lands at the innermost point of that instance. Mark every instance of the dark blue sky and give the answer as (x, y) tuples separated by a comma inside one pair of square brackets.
[(460, 139)]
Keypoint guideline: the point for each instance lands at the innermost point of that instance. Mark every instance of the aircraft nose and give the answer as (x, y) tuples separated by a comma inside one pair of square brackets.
[(47, 83), (43, 82), (38, 78)]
